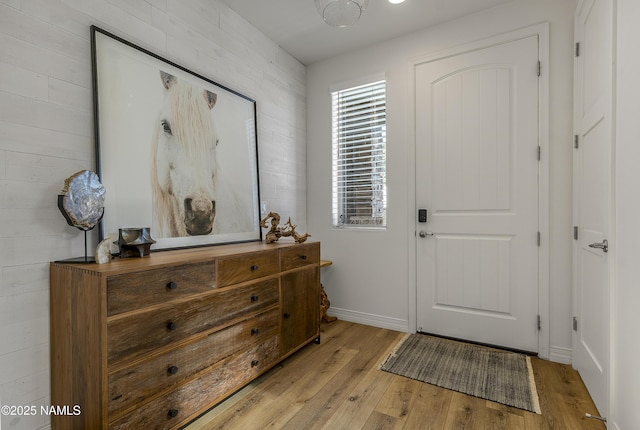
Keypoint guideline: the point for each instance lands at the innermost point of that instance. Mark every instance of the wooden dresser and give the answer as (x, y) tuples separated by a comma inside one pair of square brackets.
[(153, 342)]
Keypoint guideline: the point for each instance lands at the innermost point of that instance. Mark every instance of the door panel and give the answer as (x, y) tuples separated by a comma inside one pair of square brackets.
[(596, 45), (477, 172), (593, 195), (471, 144), (473, 272)]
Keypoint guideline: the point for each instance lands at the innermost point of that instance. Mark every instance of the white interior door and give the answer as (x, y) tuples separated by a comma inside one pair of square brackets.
[(592, 196), (477, 175)]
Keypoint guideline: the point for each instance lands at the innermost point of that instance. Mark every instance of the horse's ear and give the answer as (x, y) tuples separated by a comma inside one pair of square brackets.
[(211, 98), (167, 79)]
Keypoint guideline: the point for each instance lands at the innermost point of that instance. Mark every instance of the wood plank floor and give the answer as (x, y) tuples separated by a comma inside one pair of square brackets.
[(337, 385)]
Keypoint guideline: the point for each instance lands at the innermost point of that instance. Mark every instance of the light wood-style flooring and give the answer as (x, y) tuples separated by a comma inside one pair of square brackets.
[(337, 385)]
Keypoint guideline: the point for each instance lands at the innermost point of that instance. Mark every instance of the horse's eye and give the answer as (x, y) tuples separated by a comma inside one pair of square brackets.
[(165, 126), (217, 141)]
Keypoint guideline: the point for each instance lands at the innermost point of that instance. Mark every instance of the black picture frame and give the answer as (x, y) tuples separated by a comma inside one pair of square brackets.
[(175, 151)]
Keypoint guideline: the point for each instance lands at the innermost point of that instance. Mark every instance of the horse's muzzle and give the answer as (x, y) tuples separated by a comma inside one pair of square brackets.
[(199, 215)]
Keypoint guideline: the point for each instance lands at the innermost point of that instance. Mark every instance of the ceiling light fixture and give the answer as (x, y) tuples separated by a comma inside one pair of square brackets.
[(396, 1), (341, 13)]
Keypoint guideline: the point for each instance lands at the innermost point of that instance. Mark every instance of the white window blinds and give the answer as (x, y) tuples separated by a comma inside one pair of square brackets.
[(359, 156)]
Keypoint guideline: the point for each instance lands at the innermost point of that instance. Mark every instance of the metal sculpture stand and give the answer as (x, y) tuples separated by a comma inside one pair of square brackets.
[(86, 258)]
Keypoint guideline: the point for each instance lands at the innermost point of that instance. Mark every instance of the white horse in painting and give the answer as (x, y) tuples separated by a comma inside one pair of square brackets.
[(184, 165)]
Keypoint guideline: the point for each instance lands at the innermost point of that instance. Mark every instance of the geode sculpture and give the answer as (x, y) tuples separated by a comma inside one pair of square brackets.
[(135, 242), (81, 200)]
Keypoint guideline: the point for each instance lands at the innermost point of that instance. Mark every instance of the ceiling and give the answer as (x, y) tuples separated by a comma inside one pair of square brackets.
[(296, 26)]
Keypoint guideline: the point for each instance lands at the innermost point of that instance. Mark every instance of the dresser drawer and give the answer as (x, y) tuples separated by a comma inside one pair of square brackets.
[(300, 255), (137, 290), (136, 333), (247, 267), (133, 384), (186, 401)]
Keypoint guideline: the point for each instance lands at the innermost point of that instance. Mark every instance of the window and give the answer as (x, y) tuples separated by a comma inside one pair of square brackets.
[(359, 156)]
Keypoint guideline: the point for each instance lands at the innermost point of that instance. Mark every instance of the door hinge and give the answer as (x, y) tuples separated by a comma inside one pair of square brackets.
[(539, 68), (575, 232), (539, 238), (575, 323), (539, 320), (539, 153), (576, 141), (577, 49)]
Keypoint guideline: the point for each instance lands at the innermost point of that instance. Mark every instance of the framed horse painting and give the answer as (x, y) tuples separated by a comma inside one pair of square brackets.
[(176, 152)]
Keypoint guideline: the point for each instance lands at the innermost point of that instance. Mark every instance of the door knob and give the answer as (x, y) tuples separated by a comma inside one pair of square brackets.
[(425, 233), (604, 245)]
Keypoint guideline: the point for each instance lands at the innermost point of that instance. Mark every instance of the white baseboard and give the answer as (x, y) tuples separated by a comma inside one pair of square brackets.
[(370, 319), (560, 355)]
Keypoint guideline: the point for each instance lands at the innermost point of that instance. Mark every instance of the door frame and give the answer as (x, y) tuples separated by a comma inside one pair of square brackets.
[(542, 31)]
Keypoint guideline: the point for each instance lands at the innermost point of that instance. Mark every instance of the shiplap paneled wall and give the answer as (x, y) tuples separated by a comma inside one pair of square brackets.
[(46, 134)]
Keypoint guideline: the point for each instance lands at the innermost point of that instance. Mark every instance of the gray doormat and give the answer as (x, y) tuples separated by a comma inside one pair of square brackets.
[(496, 375)]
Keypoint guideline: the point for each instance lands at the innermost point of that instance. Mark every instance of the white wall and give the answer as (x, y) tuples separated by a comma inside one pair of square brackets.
[(369, 280), (626, 291), (46, 134)]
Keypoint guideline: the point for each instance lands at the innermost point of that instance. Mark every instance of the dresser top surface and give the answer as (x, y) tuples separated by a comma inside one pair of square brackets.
[(159, 259)]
